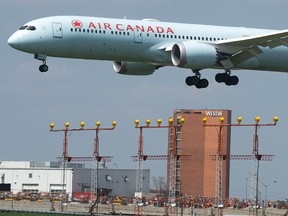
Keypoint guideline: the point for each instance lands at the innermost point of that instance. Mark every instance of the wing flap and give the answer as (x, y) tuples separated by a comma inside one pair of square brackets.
[(238, 50), (280, 37)]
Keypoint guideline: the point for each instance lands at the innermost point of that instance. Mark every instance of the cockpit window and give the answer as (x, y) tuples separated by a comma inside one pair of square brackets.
[(23, 27), (31, 28)]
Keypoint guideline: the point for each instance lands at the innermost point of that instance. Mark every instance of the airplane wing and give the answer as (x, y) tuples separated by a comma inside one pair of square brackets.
[(240, 49)]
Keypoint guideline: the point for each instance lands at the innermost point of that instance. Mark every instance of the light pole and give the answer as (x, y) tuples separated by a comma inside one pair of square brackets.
[(246, 187), (265, 185)]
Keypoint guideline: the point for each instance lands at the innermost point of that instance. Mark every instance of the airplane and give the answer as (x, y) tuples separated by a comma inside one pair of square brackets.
[(139, 47)]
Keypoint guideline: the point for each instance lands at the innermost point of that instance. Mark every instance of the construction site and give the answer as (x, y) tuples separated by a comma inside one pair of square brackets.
[(198, 173)]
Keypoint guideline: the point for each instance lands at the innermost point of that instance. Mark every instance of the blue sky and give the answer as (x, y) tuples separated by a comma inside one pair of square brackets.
[(90, 91)]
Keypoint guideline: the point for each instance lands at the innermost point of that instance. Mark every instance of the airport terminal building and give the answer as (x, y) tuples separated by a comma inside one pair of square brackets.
[(34, 177)]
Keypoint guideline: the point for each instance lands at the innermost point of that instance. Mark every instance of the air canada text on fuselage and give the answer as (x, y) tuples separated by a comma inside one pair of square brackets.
[(123, 27)]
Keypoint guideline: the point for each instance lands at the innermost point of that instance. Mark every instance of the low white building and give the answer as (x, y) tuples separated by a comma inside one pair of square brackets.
[(26, 176)]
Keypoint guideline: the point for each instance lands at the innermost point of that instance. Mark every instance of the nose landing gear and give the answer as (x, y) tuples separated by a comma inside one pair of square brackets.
[(44, 67)]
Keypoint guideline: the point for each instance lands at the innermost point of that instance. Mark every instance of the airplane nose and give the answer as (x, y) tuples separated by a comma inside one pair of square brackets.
[(13, 41)]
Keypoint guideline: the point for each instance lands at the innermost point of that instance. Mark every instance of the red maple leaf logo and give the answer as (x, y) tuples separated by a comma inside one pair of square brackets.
[(77, 24)]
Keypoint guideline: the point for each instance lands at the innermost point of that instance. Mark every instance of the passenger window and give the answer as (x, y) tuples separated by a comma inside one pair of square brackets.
[(79, 30), (71, 29), (92, 30), (83, 30), (101, 32)]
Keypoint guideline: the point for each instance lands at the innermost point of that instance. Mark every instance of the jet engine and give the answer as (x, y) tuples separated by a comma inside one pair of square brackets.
[(194, 55), (133, 68)]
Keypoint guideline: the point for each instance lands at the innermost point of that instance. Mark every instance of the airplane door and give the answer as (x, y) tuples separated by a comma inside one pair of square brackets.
[(138, 36), (57, 30)]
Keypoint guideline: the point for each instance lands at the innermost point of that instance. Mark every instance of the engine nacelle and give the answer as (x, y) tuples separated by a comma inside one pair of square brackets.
[(194, 55), (133, 68)]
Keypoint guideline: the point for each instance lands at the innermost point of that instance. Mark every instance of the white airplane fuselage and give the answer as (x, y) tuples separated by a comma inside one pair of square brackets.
[(151, 44)]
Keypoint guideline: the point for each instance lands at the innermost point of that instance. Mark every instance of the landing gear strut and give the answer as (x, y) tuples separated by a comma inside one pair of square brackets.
[(44, 67), (196, 80), (227, 78)]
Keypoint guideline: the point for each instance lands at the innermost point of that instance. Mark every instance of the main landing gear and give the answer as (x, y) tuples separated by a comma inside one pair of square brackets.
[(44, 67), (220, 78), (227, 78), (196, 80)]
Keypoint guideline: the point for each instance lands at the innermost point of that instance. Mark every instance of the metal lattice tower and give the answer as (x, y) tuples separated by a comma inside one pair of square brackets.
[(173, 159), (172, 167), (255, 170), (94, 172), (219, 168)]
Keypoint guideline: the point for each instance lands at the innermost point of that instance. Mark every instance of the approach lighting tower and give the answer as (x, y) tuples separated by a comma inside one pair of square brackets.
[(255, 157), (96, 157), (172, 157)]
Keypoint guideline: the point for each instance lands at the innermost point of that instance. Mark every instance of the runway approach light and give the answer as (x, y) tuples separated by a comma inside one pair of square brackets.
[(239, 120), (67, 125), (148, 122), (98, 123), (257, 119), (159, 121), (275, 119), (221, 120), (114, 124), (137, 121), (204, 120), (82, 125), (51, 126), (170, 121)]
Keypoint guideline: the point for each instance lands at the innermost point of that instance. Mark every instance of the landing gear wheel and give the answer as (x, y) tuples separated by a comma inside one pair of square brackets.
[(192, 80), (234, 80), (204, 83), (221, 77), (43, 68), (188, 81), (226, 78)]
